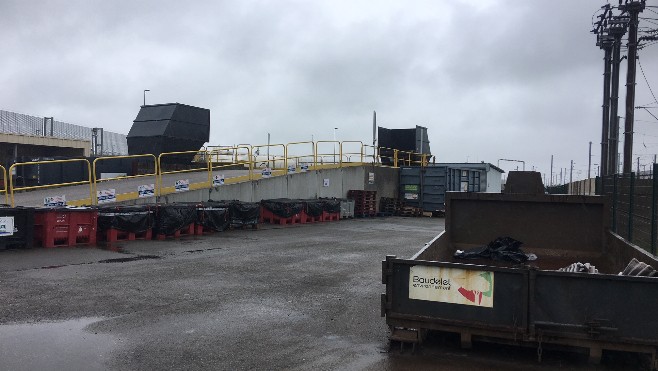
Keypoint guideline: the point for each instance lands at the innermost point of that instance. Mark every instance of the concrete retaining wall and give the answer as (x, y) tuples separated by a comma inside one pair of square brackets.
[(309, 185)]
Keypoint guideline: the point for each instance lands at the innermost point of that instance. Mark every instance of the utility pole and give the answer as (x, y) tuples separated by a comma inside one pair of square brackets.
[(605, 41), (633, 8), (571, 172), (617, 31), (589, 164)]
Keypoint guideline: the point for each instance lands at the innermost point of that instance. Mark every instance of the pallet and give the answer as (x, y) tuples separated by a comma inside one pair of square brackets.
[(330, 217), (311, 219), (185, 231), (411, 211), (115, 235), (200, 230)]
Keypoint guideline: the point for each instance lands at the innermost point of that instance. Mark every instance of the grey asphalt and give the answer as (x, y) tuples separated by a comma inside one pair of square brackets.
[(303, 297)]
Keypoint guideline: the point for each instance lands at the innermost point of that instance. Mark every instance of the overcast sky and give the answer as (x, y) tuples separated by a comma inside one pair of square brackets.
[(490, 79)]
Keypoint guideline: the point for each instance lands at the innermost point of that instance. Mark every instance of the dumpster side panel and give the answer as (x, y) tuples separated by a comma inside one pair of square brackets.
[(570, 224), (435, 181), (508, 312), (410, 186), (603, 307)]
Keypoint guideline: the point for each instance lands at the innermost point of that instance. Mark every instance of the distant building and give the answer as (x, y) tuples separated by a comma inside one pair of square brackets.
[(23, 137)]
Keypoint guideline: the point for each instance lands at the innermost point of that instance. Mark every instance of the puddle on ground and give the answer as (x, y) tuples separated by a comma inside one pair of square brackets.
[(54, 346)]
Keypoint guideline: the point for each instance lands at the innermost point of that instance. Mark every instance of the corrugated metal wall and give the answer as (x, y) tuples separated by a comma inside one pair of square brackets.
[(18, 123)]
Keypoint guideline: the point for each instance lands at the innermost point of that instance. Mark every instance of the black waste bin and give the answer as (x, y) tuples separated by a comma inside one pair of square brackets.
[(16, 227)]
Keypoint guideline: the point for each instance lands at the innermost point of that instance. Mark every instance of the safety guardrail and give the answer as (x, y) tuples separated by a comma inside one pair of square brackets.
[(329, 159), (350, 157), (4, 181), (78, 202), (237, 159), (181, 185), (217, 165), (296, 161), (127, 195)]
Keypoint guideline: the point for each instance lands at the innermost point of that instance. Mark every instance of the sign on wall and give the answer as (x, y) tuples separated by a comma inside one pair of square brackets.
[(52, 201), (146, 190), (266, 172), (452, 285), (182, 185), (218, 180), (106, 196), (6, 226)]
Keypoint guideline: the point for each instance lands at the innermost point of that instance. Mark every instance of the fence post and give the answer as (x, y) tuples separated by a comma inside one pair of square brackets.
[(654, 197), (631, 193), (615, 180)]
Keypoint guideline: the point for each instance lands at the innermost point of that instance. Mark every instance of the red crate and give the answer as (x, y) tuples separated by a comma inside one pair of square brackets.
[(65, 227), (330, 217), (310, 219), (269, 217)]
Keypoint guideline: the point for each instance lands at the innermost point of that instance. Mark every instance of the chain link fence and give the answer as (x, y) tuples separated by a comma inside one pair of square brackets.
[(18, 123)]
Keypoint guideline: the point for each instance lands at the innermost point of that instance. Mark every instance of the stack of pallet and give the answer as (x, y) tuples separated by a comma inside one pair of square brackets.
[(389, 206), (365, 202), (410, 211)]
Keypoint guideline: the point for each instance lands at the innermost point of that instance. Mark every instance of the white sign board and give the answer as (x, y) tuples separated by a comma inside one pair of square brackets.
[(371, 178), (303, 168), (146, 190), (6, 226), (266, 173), (292, 169), (452, 285), (105, 196), (325, 183), (182, 185), (218, 180), (55, 201)]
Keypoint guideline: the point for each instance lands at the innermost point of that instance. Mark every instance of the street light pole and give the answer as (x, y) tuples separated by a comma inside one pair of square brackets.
[(145, 90)]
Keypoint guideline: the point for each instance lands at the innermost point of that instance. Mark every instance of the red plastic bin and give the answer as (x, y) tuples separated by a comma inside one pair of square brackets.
[(61, 227), (266, 216)]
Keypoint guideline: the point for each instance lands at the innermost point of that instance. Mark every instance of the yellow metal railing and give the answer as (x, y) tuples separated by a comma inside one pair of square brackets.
[(128, 195), (80, 202), (228, 158), (347, 156), (298, 160), (388, 157), (277, 163), (240, 162), (180, 183), (4, 181), (333, 158)]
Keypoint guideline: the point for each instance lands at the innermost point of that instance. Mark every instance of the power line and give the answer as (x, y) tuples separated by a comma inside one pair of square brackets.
[(647, 81)]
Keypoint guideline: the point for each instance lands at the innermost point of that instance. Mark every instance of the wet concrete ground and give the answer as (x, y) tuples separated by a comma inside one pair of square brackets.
[(296, 298)]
